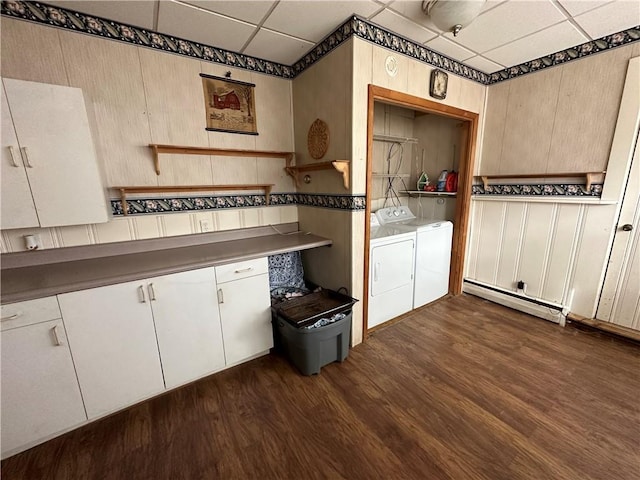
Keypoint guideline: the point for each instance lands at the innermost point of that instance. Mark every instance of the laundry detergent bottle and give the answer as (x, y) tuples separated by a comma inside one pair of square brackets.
[(442, 181)]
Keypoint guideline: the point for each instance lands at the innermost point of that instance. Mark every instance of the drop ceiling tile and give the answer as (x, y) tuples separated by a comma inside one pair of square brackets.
[(202, 26), (245, 10), (576, 7), (138, 13), (482, 64), (447, 47), (550, 40), (507, 22), (277, 47), (313, 19), (400, 25), (412, 9), (611, 18)]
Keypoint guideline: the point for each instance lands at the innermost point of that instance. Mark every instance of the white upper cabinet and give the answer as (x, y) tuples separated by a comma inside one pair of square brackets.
[(47, 129), (18, 210)]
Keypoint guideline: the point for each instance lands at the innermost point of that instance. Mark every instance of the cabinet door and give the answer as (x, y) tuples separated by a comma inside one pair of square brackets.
[(113, 341), (53, 130), (18, 210), (185, 312), (40, 394), (245, 312)]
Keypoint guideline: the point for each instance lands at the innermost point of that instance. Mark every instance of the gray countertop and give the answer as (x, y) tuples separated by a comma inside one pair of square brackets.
[(36, 281)]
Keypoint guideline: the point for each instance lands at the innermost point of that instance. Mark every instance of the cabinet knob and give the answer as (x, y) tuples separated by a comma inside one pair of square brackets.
[(220, 296), (627, 227)]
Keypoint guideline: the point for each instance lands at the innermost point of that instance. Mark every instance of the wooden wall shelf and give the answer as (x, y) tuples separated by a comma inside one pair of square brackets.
[(124, 191), (341, 166), (590, 177), (222, 152)]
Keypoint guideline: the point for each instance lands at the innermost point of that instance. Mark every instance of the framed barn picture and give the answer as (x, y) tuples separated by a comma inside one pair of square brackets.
[(230, 105)]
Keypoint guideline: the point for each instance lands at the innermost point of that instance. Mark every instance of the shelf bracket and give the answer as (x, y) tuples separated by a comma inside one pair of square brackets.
[(341, 166)]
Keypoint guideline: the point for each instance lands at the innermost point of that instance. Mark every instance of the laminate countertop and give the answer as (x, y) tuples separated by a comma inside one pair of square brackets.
[(37, 281)]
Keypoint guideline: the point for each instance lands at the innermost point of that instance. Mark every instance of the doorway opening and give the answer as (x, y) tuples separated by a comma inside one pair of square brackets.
[(429, 138)]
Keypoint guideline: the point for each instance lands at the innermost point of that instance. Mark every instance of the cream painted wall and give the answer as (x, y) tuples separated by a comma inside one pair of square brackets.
[(137, 96), (558, 120), (392, 157)]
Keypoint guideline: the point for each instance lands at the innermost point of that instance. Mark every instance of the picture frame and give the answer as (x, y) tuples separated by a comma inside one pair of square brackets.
[(438, 84), (229, 105)]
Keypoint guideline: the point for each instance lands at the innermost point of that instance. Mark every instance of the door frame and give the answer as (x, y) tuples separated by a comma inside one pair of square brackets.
[(470, 122)]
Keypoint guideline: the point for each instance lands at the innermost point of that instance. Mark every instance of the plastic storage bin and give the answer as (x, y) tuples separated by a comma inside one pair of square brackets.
[(311, 349)]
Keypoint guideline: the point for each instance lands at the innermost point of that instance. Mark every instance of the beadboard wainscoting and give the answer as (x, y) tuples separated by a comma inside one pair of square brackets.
[(558, 249)]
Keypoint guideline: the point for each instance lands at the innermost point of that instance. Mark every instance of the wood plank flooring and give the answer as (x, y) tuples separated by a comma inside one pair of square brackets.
[(463, 389)]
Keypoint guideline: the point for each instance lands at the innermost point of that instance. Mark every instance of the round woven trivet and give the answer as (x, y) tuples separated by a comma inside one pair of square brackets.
[(318, 139)]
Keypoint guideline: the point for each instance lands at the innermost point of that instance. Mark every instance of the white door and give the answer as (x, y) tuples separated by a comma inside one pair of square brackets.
[(245, 311), (113, 340), (620, 298), (40, 394), (18, 210), (185, 312), (391, 266), (53, 130)]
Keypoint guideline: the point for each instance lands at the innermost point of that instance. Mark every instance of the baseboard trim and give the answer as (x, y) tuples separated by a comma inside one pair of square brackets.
[(608, 327)]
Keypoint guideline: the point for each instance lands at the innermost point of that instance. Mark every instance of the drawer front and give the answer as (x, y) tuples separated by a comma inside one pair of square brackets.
[(21, 314), (236, 271)]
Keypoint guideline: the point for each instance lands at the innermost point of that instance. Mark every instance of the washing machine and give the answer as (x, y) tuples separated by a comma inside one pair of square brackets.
[(433, 251), (391, 267)]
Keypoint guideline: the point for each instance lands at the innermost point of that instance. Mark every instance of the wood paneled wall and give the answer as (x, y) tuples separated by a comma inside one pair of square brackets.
[(556, 120), (138, 96)]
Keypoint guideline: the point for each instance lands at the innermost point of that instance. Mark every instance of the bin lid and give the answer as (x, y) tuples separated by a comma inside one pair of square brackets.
[(303, 311)]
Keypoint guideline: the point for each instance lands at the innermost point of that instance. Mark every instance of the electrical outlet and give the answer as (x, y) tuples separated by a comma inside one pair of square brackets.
[(205, 226)]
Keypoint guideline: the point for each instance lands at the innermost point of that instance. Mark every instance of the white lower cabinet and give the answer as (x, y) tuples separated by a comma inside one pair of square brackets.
[(114, 347), (245, 310), (185, 311), (40, 394), (127, 342)]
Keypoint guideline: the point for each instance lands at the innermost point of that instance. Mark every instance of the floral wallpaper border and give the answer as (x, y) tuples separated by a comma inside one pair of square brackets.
[(155, 205), (354, 26), (574, 53), (101, 27), (366, 30), (540, 189)]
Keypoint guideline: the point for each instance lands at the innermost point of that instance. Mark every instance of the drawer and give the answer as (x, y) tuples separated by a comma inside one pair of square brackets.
[(236, 271), (21, 314)]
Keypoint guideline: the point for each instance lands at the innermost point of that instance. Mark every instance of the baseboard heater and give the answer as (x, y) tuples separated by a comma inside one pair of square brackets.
[(533, 306)]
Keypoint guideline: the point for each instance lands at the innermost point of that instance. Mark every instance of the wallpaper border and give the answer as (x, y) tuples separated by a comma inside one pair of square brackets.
[(182, 204), (354, 26), (538, 189)]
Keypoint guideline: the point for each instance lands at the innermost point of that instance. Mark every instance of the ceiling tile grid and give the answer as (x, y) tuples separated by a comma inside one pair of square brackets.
[(268, 35)]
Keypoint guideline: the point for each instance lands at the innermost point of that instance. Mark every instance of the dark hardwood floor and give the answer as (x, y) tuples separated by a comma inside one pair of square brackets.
[(463, 389)]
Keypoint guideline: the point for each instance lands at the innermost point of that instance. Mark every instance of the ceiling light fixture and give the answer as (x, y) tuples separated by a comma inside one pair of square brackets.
[(452, 15)]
